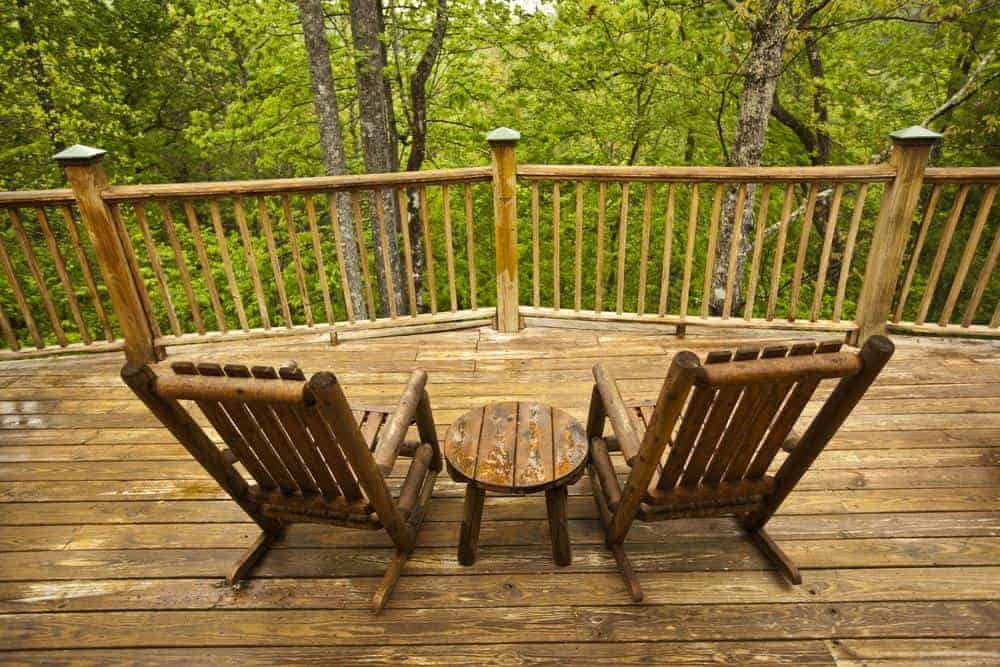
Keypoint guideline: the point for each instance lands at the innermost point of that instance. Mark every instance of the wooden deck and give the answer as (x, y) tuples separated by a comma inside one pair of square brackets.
[(113, 542)]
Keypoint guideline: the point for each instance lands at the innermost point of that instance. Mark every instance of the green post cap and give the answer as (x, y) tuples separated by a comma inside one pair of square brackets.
[(914, 133), (79, 154), (502, 134)]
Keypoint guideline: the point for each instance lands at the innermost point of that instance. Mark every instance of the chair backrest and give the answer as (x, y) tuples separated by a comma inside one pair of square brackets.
[(295, 439), (726, 428)]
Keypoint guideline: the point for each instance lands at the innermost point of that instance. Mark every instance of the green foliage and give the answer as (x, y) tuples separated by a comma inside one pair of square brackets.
[(191, 90)]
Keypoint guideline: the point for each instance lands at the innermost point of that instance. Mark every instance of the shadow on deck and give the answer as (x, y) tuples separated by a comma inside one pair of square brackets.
[(113, 542)]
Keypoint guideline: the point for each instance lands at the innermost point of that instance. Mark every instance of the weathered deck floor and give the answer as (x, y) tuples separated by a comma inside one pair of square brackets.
[(113, 542)]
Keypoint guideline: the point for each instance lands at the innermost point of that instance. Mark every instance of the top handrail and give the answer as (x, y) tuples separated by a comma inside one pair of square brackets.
[(211, 189), (857, 174), (962, 175), (53, 197)]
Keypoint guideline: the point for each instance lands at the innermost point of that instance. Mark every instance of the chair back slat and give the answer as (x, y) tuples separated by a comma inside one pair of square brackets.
[(223, 425), (300, 439), (768, 402), (732, 431), (289, 447), (715, 425), (270, 430), (326, 443)]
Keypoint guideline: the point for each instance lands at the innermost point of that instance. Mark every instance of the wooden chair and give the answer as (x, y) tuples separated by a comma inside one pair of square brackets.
[(705, 446), (305, 454)]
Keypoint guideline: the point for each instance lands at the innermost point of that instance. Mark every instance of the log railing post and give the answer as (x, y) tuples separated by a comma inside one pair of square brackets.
[(502, 141), (910, 151), (87, 178)]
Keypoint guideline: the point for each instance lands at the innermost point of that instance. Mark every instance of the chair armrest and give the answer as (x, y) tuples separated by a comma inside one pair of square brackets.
[(618, 414), (414, 482), (600, 461), (791, 441), (398, 423)]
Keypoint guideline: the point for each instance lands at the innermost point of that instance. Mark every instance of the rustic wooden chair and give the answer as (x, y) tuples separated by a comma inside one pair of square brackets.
[(305, 454), (705, 446)]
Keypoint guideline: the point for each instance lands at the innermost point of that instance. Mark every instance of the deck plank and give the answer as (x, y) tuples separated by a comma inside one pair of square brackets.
[(897, 527)]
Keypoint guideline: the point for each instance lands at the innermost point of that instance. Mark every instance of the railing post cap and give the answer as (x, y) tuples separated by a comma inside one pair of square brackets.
[(915, 134), (79, 154), (503, 135)]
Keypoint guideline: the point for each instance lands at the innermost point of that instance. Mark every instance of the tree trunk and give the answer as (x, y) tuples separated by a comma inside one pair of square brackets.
[(379, 151), (418, 131), (331, 138), (39, 74), (768, 34)]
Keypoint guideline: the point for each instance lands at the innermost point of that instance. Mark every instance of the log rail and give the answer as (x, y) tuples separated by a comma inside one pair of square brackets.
[(853, 249)]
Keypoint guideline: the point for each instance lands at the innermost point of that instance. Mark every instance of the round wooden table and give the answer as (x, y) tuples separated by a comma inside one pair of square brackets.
[(515, 448)]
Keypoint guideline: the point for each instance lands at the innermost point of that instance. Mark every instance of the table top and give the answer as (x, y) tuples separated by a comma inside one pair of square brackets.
[(516, 447)]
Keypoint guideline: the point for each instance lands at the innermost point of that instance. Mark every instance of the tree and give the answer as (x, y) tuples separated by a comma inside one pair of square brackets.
[(377, 140), (769, 33), (331, 137)]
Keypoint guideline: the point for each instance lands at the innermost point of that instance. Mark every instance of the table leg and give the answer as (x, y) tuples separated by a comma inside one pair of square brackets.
[(555, 503), (472, 516)]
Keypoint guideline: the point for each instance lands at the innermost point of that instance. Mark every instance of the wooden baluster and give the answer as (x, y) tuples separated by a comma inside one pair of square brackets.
[(602, 194), (411, 288), (300, 277), (36, 273), (984, 277), (88, 275), (995, 320), (622, 233), (383, 240), (241, 221), (845, 263), (331, 202), (359, 234), (668, 237), (133, 264), (824, 258), (154, 261), (758, 247), (556, 215), (917, 248), (318, 253), (425, 225), (944, 244), (800, 257), (22, 303), (967, 256), (734, 248), (168, 225), (227, 264), (276, 267), (448, 246), (206, 266), (779, 252), (713, 240), (647, 213), (689, 251), (8, 332), (536, 283), (60, 264), (578, 255), (470, 246)]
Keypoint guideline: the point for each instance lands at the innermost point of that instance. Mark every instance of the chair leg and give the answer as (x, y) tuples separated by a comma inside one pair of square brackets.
[(773, 552), (251, 556), (617, 550), (389, 580)]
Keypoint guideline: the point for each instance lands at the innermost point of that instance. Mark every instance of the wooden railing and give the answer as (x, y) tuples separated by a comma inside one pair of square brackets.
[(676, 212), (850, 249), (954, 224)]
